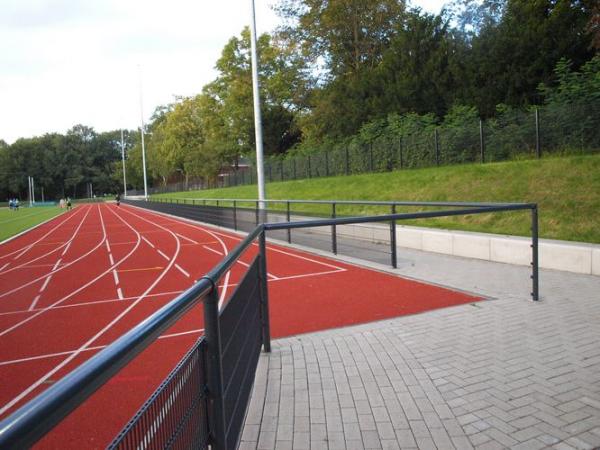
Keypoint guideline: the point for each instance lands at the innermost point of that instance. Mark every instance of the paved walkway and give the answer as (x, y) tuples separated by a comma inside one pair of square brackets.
[(502, 373)]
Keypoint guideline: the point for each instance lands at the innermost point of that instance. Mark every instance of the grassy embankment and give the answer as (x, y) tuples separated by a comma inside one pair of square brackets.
[(567, 190), (13, 222)]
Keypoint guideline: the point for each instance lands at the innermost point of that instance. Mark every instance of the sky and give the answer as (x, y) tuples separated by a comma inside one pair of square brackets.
[(68, 62)]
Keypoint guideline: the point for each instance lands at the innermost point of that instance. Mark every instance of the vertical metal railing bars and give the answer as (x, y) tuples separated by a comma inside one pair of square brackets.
[(228, 355), (214, 403), (245, 218)]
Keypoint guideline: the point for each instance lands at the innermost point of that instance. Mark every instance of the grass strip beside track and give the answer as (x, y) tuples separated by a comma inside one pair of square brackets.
[(14, 222), (567, 190)]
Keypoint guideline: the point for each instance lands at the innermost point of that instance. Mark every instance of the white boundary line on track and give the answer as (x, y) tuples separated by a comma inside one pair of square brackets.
[(25, 249), (182, 270), (29, 247), (70, 263), (12, 238), (98, 334), (91, 303), (2, 268), (98, 347), (41, 257), (58, 302)]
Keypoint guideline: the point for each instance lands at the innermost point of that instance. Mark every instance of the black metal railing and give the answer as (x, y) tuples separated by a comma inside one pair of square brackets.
[(227, 355), (243, 214), (33, 420)]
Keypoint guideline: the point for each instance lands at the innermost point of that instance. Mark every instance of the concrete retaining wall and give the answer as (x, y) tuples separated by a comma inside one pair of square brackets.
[(558, 255)]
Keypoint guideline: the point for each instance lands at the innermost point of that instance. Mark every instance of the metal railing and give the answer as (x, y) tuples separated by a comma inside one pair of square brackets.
[(231, 349), (33, 420), (244, 214)]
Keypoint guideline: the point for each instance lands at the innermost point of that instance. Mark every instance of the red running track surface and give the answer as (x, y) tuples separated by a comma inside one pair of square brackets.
[(73, 285)]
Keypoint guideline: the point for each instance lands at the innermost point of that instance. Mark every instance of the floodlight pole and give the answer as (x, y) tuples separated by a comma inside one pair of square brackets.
[(257, 116), (123, 159), (142, 134)]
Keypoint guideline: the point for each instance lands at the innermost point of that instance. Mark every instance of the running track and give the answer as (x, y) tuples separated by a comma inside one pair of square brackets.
[(73, 285)]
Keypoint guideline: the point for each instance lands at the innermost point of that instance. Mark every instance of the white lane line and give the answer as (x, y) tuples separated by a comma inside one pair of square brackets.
[(88, 343), (162, 254), (66, 249), (245, 264), (92, 303), (120, 293), (212, 250), (56, 265), (84, 286), (205, 230), (89, 349), (110, 258), (182, 270), (46, 283), (24, 285), (186, 238), (148, 242), (35, 300), (107, 246), (25, 249), (116, 277), (4, 266)]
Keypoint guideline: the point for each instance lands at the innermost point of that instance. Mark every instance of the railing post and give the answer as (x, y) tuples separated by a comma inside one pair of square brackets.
[(333, 231), (256, 209), (212, 335), (235, 215), (534, 254), (481, 141), (287, 216), (393, 240), (266, 328)]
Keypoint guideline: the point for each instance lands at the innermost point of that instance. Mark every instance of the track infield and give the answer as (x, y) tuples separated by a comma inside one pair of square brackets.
[(73, 285)]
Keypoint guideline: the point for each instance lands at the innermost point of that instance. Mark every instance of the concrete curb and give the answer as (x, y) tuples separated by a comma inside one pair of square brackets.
[(553, 254)]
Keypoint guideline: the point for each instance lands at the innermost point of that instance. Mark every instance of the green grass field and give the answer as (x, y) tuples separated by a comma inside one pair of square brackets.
[(13, 222), (567, 190)]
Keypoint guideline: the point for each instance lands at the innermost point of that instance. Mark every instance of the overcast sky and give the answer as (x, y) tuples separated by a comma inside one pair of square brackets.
[(65, 62)]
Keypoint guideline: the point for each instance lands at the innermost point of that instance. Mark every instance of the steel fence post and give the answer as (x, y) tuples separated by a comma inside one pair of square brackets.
[(333, 231), (538, 148), (287, 216), (266, 328), (401, 161), (437, 147), (347, 168), (256, 209), (481, 141), (534, 254), (235, 215), (393, 240), (212, 335)]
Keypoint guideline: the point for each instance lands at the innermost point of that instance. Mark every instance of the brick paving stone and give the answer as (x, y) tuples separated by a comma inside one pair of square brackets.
[(502, 373)]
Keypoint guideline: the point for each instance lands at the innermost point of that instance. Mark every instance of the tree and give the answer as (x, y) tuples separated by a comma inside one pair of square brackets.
[(346, 35)]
